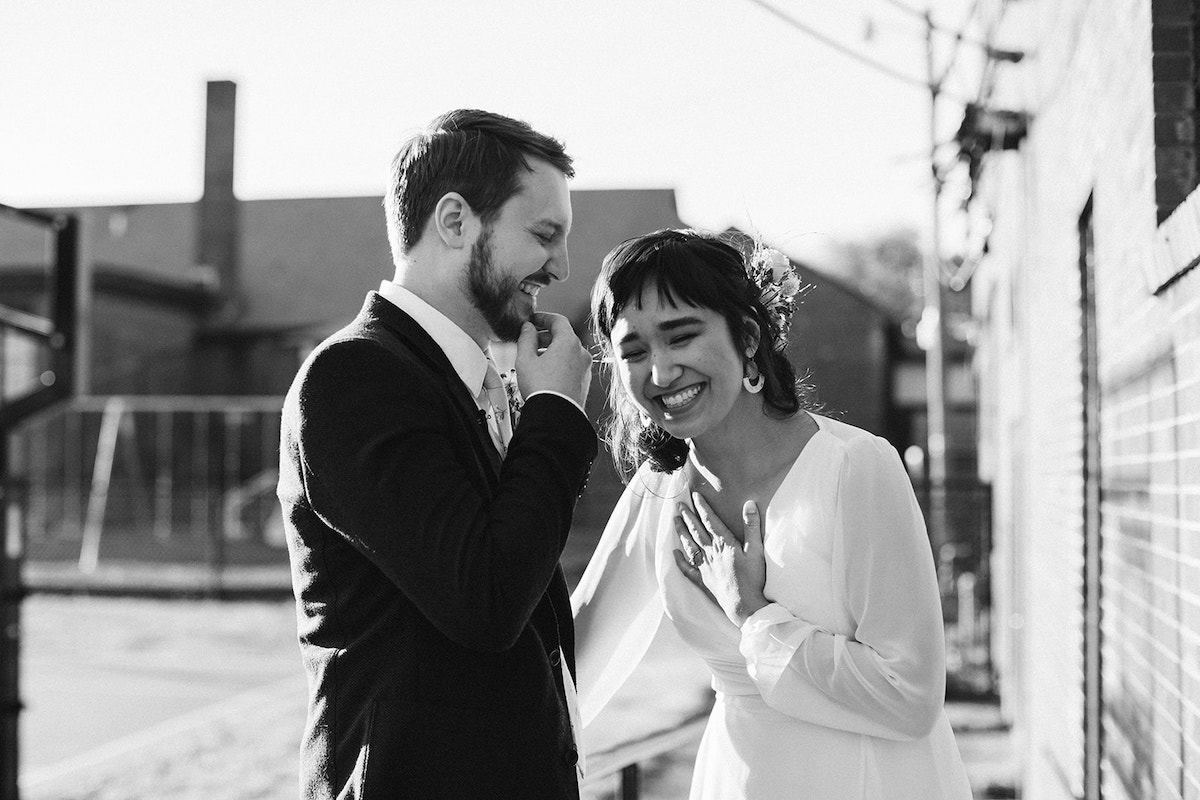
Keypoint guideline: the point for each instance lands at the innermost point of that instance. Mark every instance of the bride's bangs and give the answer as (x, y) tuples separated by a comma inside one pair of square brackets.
[(680, 278)]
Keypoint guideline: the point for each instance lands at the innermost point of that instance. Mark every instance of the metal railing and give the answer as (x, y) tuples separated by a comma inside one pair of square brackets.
[(173, 481), (625, 759), (964, 580)]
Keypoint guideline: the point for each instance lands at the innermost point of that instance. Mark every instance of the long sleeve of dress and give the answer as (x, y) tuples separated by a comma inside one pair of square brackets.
[(888, 678), (617, 605)]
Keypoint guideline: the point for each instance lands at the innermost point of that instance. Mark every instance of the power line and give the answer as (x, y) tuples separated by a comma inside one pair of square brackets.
[(957, 41), (850, 53), (906, 8), (920, 14), (959, 35)]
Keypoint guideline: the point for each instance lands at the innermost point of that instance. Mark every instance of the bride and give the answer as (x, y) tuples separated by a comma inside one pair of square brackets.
[(786, 548)]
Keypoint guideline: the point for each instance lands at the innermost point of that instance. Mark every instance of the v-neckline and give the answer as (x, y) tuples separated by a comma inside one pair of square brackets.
[(800, 457), (818, 420)]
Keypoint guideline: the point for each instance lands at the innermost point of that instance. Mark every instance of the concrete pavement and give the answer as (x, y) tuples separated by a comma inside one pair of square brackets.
[(143, 698)]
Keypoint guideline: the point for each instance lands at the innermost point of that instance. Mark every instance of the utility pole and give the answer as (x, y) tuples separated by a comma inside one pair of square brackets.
[(931, 322)]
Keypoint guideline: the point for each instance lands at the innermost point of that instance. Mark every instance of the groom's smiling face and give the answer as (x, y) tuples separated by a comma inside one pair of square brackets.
[(521, 250)]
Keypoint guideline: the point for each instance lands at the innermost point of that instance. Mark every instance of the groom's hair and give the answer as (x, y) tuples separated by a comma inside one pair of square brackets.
[(475, 153)]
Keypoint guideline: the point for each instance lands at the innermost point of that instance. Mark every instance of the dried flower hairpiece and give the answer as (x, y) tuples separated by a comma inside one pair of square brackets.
[(779, 288)]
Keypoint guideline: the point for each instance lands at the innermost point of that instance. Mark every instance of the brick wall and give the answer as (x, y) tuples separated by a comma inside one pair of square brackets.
[(1111, 122), (1174, 68)]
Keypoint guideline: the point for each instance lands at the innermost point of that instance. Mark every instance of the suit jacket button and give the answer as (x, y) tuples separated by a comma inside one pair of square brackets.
[(571, 757), (554, 657)]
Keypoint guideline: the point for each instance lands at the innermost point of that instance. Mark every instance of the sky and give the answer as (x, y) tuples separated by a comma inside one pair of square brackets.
[(753, 122)]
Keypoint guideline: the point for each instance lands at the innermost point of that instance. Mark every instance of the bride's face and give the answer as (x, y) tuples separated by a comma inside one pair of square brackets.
[(679, 365)]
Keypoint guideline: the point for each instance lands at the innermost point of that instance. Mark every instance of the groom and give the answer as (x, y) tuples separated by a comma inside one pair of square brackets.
[(424, 520)]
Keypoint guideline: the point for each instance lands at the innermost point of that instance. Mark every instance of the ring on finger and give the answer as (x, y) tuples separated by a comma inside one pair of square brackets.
[(696, 557)]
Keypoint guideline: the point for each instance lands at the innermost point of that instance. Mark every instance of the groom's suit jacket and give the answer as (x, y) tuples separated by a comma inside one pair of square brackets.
[(431, 607)]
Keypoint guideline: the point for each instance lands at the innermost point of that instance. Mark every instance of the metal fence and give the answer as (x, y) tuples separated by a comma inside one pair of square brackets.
[(964, 580), (161, 480)]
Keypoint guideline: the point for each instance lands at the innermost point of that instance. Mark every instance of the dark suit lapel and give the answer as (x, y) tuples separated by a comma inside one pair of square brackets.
[(379, 310)]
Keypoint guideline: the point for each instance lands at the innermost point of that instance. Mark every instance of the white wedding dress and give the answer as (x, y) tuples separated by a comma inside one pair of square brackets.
[(835, 690)]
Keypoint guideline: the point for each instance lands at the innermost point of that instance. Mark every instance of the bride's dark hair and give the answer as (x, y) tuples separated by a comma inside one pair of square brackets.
[(691, 268)]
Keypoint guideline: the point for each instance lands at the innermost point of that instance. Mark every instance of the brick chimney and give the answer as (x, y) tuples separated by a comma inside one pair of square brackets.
[(219, 230)]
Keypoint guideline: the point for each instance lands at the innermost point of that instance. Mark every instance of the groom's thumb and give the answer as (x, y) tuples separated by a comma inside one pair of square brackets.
[(527, 340)]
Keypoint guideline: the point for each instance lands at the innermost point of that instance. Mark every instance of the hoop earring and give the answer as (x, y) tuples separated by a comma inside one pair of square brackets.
[(754, 381)]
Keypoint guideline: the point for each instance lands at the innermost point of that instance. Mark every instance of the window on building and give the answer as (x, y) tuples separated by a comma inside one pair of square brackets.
[(1174, 39)]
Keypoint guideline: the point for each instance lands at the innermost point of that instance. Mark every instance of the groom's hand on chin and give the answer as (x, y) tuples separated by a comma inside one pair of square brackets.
[(550, 357)]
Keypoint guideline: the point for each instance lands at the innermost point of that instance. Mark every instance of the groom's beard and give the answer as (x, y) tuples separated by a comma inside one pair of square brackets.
[(495, 295)]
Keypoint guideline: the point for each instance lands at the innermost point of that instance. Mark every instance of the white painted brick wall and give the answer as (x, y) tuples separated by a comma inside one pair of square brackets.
[(1088, 83)]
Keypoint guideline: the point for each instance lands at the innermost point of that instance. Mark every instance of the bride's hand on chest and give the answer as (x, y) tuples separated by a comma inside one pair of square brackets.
[(729, 568)]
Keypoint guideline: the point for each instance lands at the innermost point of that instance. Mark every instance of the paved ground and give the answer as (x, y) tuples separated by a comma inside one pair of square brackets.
[(133, 699), (137, 698)]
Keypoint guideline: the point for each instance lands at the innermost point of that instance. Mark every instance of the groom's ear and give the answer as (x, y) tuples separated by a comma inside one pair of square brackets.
[(454, 221)]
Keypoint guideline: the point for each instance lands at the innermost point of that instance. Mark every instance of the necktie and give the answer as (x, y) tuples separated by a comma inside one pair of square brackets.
[(494, 400)]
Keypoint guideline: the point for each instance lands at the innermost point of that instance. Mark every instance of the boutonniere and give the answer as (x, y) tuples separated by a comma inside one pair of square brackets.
[(509, 379)]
